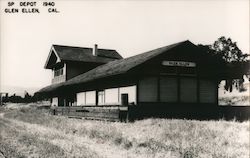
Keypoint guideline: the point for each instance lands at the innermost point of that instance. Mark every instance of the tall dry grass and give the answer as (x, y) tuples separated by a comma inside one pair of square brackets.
[(235, 100), (152, 137)]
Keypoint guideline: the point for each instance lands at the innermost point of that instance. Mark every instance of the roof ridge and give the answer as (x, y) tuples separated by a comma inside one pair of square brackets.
[(82, 47), (167, 46)]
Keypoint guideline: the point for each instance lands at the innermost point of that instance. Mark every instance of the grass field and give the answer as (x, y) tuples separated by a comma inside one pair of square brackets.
[(235, 97), (32, 132)]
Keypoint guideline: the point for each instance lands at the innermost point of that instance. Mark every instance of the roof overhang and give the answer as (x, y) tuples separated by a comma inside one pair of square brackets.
[(47, 63)]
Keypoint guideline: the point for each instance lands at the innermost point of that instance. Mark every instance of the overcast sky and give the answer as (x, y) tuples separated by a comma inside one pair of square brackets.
[(129, 27)]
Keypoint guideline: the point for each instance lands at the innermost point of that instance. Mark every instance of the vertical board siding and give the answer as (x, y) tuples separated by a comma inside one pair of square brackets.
[(207, 91), (54, 101), (148, 89), (168, 89), (188, 90), (131, 91), (111, 96), (80, 98), (91, 98)]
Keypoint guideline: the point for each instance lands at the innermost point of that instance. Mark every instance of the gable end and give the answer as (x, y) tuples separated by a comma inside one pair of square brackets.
[(52, 59)]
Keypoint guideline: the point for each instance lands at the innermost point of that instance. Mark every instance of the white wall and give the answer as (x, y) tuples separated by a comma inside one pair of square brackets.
[(80, 98), (131, 91), (111, 96), (91, 98), (54, 101)]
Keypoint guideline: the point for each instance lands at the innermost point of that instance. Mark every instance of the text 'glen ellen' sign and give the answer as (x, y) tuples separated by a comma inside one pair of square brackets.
[(179, 63)]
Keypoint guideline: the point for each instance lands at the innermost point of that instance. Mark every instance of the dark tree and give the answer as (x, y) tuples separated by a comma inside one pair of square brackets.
[(227, 50), (15, 99), (27, 97)]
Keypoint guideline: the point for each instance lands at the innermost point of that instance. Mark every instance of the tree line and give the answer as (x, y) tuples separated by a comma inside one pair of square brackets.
[(18, 99)]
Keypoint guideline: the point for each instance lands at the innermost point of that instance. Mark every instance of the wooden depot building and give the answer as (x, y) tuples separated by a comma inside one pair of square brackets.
[(178, 80)]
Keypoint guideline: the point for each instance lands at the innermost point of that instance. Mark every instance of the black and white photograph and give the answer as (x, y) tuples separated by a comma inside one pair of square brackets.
[(124, 79)]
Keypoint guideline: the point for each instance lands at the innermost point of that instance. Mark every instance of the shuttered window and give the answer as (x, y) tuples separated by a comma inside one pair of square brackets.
[(188, 90), (168, 89), (207, 91), (148, 89)]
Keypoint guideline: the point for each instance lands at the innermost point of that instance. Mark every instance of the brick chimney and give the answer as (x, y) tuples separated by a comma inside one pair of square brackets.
[(95, 50)]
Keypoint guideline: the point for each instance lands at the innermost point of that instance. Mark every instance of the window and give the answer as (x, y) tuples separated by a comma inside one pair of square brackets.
[(101, 98), (58, 72)]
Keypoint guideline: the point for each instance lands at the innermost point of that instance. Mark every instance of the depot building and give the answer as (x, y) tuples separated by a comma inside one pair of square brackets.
[(177, 74)]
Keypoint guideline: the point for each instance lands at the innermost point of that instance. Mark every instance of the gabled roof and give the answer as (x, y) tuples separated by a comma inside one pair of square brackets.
[(82, 54), (119, 66), (115, 67)]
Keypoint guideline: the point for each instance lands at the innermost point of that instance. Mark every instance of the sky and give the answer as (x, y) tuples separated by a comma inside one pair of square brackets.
[(130, 27)]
